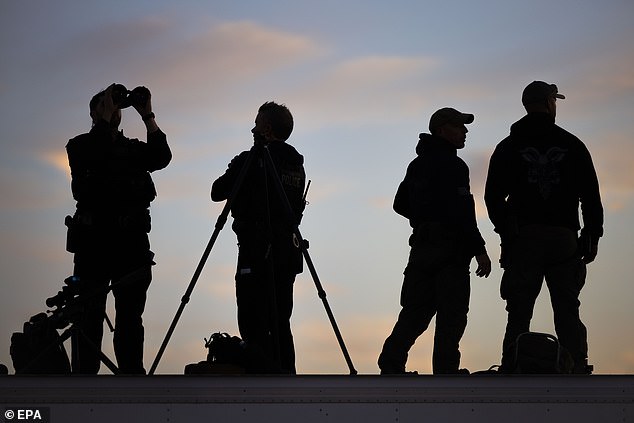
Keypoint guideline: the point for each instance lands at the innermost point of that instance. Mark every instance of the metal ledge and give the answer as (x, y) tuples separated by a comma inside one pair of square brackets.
[(239, 398)]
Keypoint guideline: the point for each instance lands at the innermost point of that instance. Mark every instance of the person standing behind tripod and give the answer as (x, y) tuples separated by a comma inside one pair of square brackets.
[(268, 257), (113, 188)]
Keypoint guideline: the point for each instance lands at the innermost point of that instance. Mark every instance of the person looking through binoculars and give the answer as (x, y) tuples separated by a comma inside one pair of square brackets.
[(108, 233), (268, 257)]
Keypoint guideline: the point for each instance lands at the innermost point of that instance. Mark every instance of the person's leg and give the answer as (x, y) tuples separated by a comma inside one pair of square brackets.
[(130, 293), (284, 293), (93, 282), (520, 287), (453, 290), (418, 302), (565, 279), (254, 300)]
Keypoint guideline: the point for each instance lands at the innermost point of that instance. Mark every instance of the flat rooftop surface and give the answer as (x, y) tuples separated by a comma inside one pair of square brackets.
[(318, 398)]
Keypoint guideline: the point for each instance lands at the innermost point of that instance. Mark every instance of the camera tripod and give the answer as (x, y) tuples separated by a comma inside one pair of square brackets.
[(263, 153)]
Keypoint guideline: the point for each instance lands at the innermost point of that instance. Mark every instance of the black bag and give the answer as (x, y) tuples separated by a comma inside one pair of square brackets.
[(38, 349), (228, 355), (540, 353), (225, 349)]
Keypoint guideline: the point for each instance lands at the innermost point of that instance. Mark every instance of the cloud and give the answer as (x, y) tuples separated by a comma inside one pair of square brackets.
[(58, 160), (367, 89), (23, 188), (112, 50), (205, 70), (373, 70)]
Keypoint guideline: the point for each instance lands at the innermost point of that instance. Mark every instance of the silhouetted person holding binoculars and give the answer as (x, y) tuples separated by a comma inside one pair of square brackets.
[(108, 234)]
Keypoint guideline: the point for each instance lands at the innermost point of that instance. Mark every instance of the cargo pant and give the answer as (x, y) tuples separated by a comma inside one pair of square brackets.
[(539, 253), (436, 283), (120, 258), (265, 278)]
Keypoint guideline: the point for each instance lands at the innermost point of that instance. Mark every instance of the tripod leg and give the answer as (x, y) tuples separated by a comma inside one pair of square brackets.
[(76, 332), (222, 219), (270, 278), (75, 365), (322, 294), (108, 322), (309, 262)]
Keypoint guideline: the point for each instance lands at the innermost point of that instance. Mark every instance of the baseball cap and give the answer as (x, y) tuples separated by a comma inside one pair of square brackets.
[(538, 91), (448, 115)]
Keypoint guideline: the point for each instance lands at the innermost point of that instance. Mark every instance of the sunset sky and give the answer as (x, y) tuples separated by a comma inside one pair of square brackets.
[(361, 79)]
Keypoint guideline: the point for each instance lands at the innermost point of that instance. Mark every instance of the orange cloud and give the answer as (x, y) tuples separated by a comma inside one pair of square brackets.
[(58, 160), (206, 70)]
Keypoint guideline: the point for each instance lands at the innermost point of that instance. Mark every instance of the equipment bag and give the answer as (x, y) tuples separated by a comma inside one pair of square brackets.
[(540, 353), (38, 349), (228, 355)]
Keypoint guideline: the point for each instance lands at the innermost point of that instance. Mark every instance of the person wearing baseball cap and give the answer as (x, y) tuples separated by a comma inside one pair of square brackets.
[(540, 91), (436, 198), (448, 115), (538, 177)]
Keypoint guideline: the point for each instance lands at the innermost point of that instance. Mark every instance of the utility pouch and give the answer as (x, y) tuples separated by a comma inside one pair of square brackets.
[(507, 240), (297, 255), (419, 234), (72, 235)]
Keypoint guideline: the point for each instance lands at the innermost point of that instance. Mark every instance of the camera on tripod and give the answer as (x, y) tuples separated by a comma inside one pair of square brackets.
[(123, 98)]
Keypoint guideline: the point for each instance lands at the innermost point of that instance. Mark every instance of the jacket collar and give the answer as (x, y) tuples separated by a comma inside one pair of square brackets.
[(433, 143)]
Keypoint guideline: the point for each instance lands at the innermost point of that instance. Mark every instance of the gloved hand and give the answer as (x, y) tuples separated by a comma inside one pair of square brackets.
[(587, 247), (484, 265)]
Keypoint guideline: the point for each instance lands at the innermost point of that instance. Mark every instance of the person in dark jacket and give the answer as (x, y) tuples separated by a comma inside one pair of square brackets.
[(436, 198), (108, 234), (538, 176), (269, 257)]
